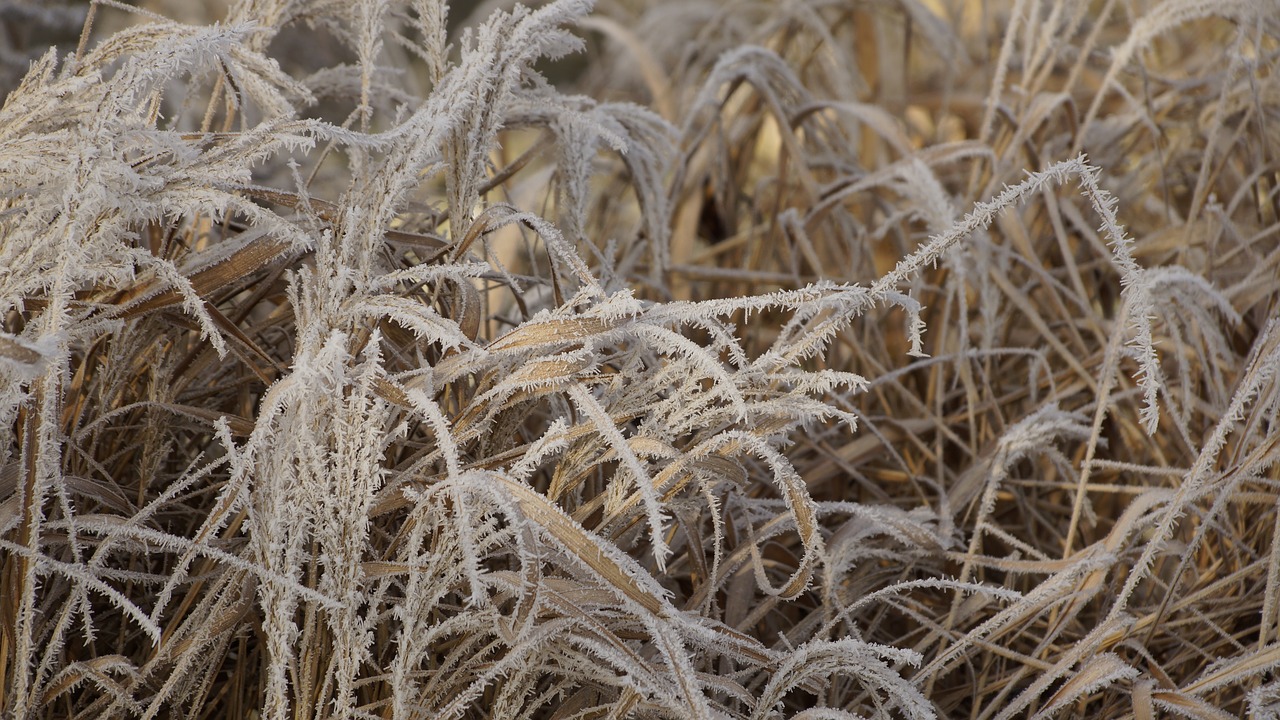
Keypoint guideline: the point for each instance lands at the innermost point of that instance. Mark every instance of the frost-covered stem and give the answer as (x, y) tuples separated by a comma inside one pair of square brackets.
[(36, 444), (42, 461)]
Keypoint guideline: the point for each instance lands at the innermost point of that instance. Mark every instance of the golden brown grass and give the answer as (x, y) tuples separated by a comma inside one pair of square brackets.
[(816, 359)]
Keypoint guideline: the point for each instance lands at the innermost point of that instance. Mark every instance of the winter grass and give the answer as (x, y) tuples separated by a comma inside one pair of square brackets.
[(690, 360)]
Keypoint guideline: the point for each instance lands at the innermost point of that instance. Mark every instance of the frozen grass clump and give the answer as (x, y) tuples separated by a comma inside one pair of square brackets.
[(665, 359)]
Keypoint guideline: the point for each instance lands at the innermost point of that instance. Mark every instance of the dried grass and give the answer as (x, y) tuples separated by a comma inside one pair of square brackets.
[(813, 360)]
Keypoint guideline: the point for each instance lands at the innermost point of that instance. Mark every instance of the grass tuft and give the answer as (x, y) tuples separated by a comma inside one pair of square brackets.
[(667, 359)]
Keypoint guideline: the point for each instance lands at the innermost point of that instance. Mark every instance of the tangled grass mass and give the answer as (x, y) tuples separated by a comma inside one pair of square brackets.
[(751, 359)]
